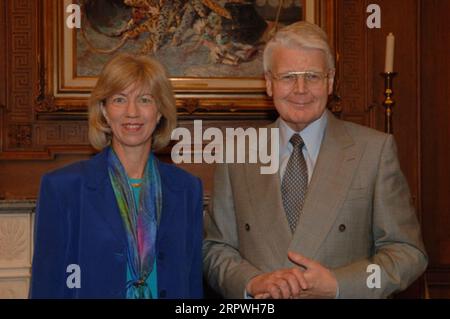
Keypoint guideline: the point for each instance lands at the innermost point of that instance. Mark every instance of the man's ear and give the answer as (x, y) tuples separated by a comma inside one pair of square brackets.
[(268, 84), (331, 75)]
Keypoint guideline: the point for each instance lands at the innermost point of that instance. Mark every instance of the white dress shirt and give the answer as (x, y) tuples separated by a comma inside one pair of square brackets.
[(312, 136)]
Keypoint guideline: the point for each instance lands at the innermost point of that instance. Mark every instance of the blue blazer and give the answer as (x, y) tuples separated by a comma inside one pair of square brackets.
[(78, 222)]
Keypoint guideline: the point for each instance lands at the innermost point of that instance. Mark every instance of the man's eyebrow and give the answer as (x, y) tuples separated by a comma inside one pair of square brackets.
[(304, 71)]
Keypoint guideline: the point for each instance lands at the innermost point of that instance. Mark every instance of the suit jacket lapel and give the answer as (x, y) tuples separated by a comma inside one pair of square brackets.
[(100, 197), (265, 194), (333, 172), (171, 196)]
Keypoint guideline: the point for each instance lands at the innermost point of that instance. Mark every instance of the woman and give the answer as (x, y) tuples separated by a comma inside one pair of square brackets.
[(123, 224)]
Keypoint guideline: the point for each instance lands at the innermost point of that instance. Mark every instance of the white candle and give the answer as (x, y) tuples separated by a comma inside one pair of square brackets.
[(389, 62)]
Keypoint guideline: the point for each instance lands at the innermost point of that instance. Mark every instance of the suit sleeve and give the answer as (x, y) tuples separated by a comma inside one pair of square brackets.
[(398, 248), (225, 269), (48, 278), (196, 277)]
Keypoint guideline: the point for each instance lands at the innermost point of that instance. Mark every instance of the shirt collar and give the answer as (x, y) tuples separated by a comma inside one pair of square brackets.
[(312, 135)]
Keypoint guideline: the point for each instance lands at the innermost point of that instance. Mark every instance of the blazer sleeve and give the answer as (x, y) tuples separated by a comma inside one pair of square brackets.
[(196, 276), (48, 278), (225, 269), (398, 248)]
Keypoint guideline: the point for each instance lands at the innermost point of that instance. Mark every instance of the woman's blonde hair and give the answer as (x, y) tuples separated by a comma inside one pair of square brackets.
[(299, 35), (122, 71)]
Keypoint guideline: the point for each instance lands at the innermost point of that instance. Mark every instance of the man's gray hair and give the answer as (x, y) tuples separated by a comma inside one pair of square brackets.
[(299, 35)]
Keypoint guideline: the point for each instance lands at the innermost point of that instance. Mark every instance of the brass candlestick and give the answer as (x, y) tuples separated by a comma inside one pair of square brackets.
[(388, 102)]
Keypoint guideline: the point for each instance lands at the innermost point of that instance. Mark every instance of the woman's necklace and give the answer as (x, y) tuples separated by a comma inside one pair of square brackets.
[(136, 182)]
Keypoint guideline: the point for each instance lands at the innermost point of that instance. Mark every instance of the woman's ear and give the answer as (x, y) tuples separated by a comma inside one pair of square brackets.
[(102, 107)]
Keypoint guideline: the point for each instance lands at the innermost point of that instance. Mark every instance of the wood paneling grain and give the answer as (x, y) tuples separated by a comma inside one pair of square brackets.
[(3, 28), (405, 83), (2, 59), (435, 131)]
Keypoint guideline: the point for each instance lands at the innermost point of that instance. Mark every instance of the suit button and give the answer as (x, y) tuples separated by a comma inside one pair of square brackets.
[(162, 293), (247, 227), (161, 256), (342, 228)]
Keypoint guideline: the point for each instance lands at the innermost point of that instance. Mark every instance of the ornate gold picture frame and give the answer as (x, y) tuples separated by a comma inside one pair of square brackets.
[(71, 58)]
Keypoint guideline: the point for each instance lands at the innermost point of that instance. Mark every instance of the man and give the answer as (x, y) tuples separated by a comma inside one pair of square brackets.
[(339, 209)]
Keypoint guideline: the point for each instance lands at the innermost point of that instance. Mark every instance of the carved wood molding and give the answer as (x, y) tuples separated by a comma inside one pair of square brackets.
[(48, 154), (223, 107), (20, 136), (21, 24), (226, 108), (46, 103), (70, 133)]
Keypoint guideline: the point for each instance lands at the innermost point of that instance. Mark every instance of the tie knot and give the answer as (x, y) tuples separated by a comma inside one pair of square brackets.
[(296, 140)]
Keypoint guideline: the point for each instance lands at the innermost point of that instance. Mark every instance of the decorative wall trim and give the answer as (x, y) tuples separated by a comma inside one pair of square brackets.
[(20, 22), (71, 133), (19, 136)]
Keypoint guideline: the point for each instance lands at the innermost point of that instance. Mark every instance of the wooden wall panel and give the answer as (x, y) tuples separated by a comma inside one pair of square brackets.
[(2, 57), (351, 66), (20, 179), (2, 70), (406, 82), (361, 85), (435, 136)]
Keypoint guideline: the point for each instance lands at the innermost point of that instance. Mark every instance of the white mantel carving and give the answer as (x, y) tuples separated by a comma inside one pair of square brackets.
[(16, 247)]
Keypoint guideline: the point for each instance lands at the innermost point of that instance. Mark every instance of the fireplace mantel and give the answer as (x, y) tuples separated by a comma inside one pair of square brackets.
[(16, 247)]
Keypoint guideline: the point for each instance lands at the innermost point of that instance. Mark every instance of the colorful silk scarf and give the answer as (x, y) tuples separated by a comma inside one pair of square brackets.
[(141, 223)]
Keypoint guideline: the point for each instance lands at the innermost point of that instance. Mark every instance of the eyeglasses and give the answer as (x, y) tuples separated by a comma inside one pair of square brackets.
[(121, 99), (311, 78)]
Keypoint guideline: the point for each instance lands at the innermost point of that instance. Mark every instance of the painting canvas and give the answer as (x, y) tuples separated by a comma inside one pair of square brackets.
[(206, 45)]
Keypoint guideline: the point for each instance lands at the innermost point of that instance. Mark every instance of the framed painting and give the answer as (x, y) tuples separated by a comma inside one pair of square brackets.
[(210, 48)]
